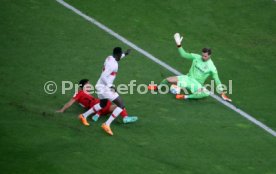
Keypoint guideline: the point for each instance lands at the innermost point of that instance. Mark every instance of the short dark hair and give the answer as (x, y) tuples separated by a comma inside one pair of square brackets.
[(117, 51), (82, 83), (207, 50)]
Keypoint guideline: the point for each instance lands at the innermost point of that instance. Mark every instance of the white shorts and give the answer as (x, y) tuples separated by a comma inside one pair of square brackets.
[(106, 93)]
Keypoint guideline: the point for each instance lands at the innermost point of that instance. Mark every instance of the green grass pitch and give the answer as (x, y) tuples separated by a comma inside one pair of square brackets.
[(41, 41)]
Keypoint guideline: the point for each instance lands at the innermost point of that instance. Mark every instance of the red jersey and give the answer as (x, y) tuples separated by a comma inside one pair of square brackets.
[(85, 100)]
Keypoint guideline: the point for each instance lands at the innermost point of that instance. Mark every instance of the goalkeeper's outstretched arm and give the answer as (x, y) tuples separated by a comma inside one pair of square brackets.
[(217, 82), (219, 87), (182, 52)]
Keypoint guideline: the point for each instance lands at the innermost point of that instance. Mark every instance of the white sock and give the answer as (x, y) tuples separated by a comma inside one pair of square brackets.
[(114, 115), (92, 110)]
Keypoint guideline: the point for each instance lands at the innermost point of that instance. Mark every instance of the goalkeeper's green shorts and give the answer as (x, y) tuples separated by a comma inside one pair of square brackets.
[(192, 84)]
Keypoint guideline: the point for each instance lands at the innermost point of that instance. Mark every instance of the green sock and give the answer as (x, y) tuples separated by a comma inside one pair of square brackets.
[(198, 95)]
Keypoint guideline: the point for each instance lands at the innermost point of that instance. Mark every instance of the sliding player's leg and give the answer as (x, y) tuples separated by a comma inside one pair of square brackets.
[(94, 109), (109, 108), (165, 82)]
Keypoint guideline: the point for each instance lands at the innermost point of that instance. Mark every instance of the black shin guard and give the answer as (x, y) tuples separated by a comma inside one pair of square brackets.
[(103, 102), (119, 102)]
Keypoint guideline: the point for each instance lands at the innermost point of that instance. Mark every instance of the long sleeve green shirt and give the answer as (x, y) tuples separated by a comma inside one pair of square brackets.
[(200, 69)]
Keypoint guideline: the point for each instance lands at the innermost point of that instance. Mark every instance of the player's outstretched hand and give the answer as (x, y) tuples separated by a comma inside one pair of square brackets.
[(127, 52), (224, 97), (178, 39)]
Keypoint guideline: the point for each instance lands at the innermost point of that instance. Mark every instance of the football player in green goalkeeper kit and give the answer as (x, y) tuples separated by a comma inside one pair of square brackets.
[(202, 67)]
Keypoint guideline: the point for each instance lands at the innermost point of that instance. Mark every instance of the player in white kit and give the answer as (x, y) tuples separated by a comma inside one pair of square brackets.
[(106, 91)]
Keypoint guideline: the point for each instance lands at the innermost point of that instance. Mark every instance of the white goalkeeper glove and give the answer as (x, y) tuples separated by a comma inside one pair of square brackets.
[(178, 39)]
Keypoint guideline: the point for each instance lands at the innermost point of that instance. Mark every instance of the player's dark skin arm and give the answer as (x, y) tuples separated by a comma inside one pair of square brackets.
[(127, 52), (118, 56), (66, 106)]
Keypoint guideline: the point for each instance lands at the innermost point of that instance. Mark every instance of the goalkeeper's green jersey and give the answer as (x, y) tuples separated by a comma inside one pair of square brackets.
[(200, 70)]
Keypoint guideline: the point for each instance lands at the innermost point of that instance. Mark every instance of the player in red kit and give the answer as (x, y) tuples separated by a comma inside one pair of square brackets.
[(88, 101)]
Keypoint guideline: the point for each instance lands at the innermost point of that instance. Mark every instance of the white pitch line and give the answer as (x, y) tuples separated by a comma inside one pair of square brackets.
[(163, 64)]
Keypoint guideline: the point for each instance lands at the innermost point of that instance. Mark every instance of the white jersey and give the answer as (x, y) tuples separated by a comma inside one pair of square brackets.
[(109, 72)]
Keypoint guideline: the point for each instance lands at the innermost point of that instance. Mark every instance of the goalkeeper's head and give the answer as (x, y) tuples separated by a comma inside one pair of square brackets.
[(206, 53), (117, 53)]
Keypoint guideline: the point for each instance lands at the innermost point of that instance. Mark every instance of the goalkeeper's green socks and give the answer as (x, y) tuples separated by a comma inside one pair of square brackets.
[(197, 95)]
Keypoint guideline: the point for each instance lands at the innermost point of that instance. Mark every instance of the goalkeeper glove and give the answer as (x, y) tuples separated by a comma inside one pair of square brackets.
[(178, 39), (225, 98)]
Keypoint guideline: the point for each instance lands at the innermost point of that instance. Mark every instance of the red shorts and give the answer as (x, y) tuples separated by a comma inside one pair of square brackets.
[(106, 109)]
